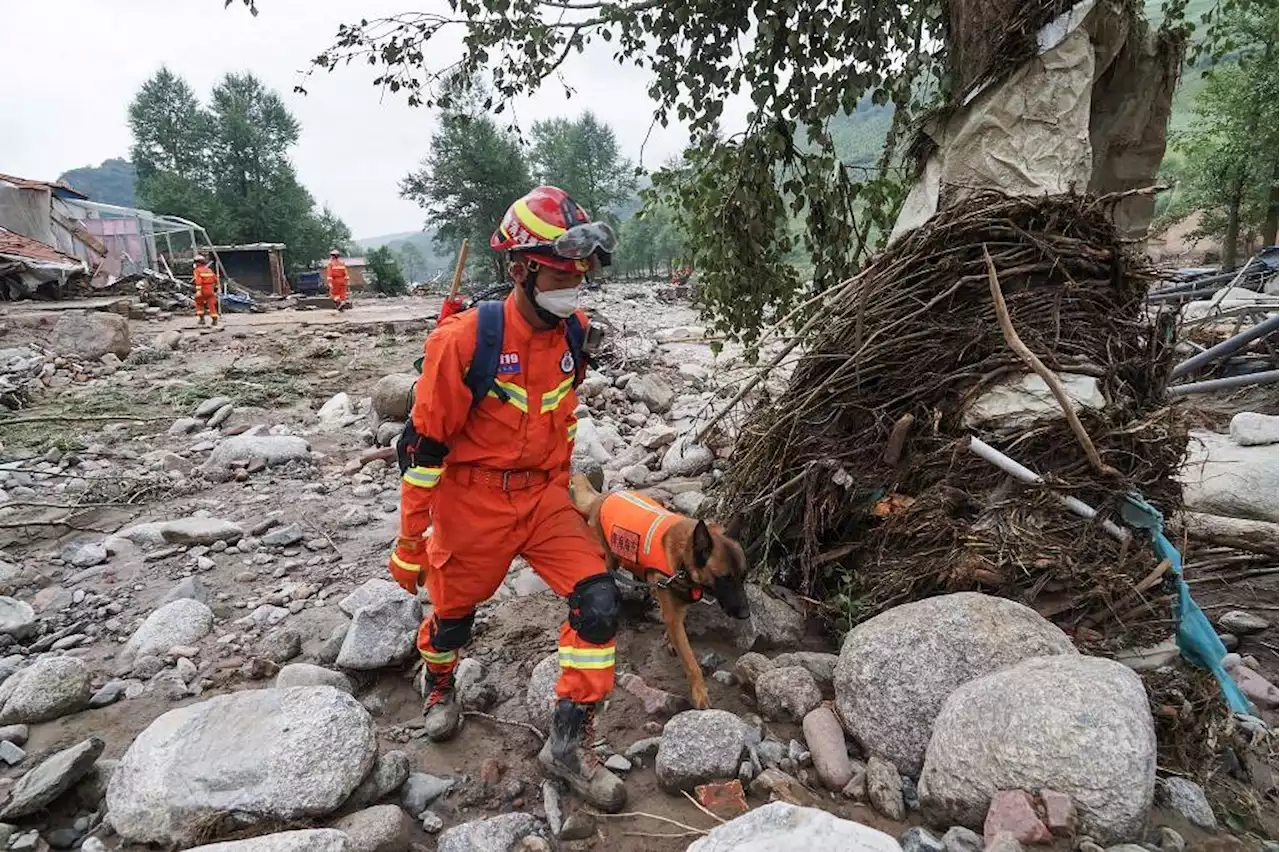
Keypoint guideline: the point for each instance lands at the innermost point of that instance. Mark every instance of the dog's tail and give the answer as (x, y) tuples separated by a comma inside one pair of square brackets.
[(583, 495)]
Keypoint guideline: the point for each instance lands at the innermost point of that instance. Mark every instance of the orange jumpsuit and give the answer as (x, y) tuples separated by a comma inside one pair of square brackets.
[(502, 491), (206, 284), (336, 274)]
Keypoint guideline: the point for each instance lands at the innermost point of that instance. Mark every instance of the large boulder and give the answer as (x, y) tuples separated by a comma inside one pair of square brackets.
[(783, 827), (307, 840), (242, 449), (90, 335), (182, 622), (1221, 477), (1249, 429), (392, 396), (381, 634), (700, 746), (201, 531), (896, 669), (1078, 725), (53, 777), (49, 688), (496, 834), (252, 757)]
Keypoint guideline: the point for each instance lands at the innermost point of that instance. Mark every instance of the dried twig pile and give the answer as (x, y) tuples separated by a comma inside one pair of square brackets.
[(819, 500)]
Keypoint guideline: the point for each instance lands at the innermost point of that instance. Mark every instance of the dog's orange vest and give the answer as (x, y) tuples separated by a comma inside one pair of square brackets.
[(633, 527)]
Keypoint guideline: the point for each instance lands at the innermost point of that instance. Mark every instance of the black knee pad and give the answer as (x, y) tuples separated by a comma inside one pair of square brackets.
[(593, 608), (450, 634)]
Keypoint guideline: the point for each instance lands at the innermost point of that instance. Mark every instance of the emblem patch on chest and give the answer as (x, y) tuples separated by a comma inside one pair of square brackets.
[(509, 362), (566, 362), (625, 544)]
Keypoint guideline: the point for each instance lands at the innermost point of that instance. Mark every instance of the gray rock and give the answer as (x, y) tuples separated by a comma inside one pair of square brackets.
[(782, 827), (1242, 623), (686, 458), (1249, 429), (896, 669), (652, 391), (147, 667), (307, 840), (688, 503), (182, 622), (551, 807), (84, 554), (884, 788), (17, 618), (196, 531), (540, 695), (189, 588), (371, 592), (787, 693), (641, 749), (53, 777), (210, 405), (654, 436), (92, 788), (1187, 798), (821, 666), (280, 645), (777, 620), (617, 763), (388, 775), (699, 746), (431, 822), (919, 839), (1034, 725), (825, 739), (269, 755), (47, 689), (421, 789), (242, 449), (749, 666), (111, 692), (578, 826), (1220, 477), (11, 754), (283, 536), (305, 674), (1006, 842), (185, 426), (91, 334), (384, 828), (961, 839), (381, 634), (497, 834), (16, 734), (392, 396)]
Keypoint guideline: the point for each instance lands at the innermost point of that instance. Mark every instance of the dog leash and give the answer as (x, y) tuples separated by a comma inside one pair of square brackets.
[(629, 580)]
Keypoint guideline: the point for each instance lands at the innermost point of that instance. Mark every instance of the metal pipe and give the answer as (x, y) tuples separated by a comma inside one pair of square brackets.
[(988, 453), (1268, 377), (1226, 347)]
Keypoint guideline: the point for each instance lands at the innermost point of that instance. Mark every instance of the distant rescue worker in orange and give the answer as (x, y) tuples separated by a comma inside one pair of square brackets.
[(206, 286), (337, 278), (485, 461)]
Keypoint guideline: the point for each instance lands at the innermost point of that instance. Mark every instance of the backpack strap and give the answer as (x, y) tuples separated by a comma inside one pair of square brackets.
[(575, 334), (483, 372)]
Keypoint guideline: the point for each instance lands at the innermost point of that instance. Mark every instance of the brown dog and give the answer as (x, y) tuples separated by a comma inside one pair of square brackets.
[(675, 556)]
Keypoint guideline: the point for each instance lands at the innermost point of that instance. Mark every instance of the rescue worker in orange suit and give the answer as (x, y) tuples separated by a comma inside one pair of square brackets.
[(492, 482), (205, 281), (337, 278)]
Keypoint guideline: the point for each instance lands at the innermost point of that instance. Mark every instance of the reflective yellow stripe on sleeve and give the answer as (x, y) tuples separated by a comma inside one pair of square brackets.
[(551, 399), (423, 477), (586, 658), (573, 430)]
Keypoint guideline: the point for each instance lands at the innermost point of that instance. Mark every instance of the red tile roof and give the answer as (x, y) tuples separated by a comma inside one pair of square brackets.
[(14, 244)]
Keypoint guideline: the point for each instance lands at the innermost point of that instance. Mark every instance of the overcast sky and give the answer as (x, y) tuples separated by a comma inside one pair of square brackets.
[(70, 68)]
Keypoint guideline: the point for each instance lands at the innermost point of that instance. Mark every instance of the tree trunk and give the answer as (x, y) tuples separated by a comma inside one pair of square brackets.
[(1272, 222), (1231, 242)]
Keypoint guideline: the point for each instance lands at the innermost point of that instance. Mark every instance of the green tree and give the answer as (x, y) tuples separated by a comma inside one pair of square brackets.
[(171, 136), (413, 261), (582, 158), (1229, 159), (384, 267), (468, 180)]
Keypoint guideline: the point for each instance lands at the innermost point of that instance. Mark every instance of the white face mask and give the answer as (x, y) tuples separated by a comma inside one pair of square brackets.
[(562, 303)]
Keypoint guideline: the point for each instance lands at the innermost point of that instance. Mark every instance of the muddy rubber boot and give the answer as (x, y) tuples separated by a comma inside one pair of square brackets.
[(444, 716), (200, 320), (567, 755), (214, 322)]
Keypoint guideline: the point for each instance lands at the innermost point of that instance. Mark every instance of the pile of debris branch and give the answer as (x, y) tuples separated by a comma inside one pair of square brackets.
[(860, 484)]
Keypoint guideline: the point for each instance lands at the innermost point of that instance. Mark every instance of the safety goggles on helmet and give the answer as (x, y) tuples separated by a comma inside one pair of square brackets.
[(582, 241)]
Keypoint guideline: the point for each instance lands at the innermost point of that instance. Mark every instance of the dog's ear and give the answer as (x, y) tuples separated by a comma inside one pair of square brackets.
[(702, 544)]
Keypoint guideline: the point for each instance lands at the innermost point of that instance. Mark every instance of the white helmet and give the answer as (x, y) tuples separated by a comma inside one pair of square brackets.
[(199, 258)]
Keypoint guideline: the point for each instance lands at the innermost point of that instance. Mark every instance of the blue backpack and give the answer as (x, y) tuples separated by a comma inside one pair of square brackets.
[(482, 375)]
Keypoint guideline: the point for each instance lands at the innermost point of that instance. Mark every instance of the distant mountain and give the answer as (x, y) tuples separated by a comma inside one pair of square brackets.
[(113, 182), (423, 240)]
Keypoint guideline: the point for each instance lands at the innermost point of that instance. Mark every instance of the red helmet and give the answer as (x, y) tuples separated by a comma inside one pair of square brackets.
[(552, 226)]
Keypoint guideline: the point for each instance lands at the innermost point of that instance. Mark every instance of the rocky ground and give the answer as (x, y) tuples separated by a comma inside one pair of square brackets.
[(202, 645)]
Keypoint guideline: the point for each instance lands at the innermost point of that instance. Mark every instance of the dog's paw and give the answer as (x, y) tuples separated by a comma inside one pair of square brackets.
[(700, 699)]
